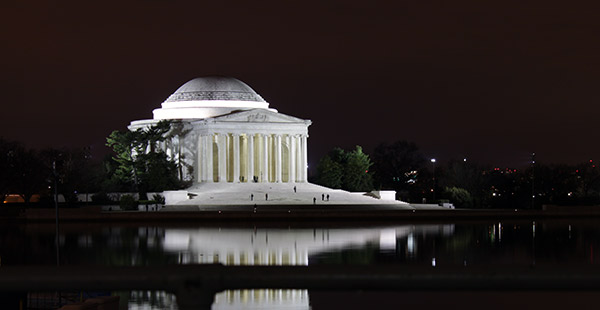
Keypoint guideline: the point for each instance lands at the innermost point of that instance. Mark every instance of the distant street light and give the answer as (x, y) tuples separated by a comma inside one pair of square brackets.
[(533, 180), (433, 187)]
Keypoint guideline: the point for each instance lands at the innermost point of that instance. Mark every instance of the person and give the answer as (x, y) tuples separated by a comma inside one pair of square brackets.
[(294, 189), (323, 197), (251, 197), (266, 196), (314, 200), (327, 197)]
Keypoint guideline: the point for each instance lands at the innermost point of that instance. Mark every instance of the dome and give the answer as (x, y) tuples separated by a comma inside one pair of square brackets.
[(215, 88), (210, 96)]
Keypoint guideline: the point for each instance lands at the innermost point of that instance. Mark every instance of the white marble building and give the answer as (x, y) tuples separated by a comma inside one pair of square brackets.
[(229, 134)]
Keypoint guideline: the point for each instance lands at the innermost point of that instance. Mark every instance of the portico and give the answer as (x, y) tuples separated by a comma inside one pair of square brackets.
[(251, 156)]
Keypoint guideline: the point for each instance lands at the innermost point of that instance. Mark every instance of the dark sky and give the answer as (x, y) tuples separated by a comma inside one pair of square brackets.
[(489, 80)]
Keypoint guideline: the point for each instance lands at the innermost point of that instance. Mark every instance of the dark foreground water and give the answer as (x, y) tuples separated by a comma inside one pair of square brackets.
[(488, 244)]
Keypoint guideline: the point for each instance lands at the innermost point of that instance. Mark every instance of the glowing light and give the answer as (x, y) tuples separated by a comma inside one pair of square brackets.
[(433, 262), (499, 232), (410, 244), (433, 160)]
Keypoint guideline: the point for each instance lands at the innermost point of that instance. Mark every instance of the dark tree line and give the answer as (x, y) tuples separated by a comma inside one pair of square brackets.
[(136, 166), (401, 167), (26, 172)]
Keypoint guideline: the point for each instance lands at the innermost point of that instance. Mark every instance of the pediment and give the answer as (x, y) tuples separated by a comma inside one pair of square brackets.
[(258, 116)]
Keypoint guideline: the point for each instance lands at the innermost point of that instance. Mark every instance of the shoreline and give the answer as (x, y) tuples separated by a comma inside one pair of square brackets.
[(298, 213)]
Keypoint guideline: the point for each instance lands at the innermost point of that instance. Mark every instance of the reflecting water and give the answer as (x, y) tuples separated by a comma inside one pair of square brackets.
[(460, 243)]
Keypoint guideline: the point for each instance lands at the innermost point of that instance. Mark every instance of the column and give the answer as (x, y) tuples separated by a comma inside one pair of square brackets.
[(304, 153), (292, 159), (236, 158), (209, 157), (265, 158), (278, 158), (250, 157), (200, 160), (222, 140)]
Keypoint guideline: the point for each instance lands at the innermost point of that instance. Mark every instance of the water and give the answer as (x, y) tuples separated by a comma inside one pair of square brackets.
[(488, 244)]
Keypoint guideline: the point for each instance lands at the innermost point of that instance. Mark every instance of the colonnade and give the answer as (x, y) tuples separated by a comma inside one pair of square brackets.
[(253, 157)]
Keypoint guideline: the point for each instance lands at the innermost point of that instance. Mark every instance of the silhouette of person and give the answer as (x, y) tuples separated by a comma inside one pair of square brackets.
[(266, 196), (314, 200), (327, 197), (251, 197), (294, 189), (322, 196)]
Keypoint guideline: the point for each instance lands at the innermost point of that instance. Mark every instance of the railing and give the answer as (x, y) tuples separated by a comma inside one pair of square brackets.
[(196, 285)]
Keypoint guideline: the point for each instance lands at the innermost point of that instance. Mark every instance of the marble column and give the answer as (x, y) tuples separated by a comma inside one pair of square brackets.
[(236, 158), (304, 166), (209, 140), (278, 158), (292, 159), (222, 139), (250, 157), (201, 170), (265, 159)]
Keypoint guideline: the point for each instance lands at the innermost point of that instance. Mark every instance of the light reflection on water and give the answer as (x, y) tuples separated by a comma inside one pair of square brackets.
[(272, 247), (464, 243)]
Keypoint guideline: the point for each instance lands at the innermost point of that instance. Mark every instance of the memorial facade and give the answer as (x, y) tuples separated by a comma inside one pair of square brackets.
[(226, 133)]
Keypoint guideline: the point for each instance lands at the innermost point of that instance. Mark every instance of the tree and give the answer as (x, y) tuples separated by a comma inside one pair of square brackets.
[(330, 172), (7, 166), (124, 144), (468, 176), (140, 163), (22, 172), (345, 170), (178, 131), (399, 166), (356, 171), (31, 174), (459, 197), (74, 170)]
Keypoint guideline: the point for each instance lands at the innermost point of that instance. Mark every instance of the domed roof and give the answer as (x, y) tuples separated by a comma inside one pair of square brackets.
[(215, 88)]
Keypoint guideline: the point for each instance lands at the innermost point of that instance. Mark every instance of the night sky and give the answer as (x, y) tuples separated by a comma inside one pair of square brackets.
[(490, 81)]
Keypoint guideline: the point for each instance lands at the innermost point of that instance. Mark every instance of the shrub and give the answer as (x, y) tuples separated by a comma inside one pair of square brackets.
[(101, 198), (128, 202), (459, 197), (158, 199)]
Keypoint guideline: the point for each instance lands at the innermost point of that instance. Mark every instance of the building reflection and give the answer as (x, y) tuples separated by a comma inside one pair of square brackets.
[(271, 247)]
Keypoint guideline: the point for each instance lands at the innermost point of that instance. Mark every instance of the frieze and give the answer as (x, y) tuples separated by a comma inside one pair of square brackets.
[(215, 95)]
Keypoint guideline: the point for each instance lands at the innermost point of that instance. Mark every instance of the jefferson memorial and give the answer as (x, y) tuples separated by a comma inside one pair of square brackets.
[(233, 134), (235, 147)]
